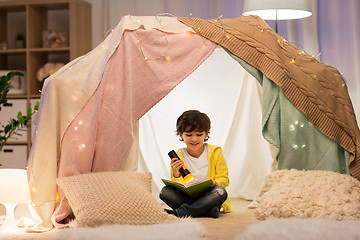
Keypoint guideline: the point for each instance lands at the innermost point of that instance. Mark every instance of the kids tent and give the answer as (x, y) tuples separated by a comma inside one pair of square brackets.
[(89, 109)]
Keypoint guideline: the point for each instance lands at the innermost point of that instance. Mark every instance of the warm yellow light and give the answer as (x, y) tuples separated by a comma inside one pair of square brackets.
[(168, 59)]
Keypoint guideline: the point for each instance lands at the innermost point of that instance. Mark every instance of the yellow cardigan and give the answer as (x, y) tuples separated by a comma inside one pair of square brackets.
[(217, 170)]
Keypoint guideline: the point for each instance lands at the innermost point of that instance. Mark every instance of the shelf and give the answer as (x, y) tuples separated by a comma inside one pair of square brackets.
[(35, 95), (55, 49), (13, 51), (34, 19), (16, 96)]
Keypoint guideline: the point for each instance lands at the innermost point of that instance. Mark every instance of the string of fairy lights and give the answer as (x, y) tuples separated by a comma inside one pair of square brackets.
[(164, 55)]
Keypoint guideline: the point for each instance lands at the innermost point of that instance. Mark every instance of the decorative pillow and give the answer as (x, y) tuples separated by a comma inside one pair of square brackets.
[(113, 197), (303, 194)]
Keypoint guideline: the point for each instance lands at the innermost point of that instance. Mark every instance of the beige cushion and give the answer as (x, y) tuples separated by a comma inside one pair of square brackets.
[(303, 194), (113, 197)]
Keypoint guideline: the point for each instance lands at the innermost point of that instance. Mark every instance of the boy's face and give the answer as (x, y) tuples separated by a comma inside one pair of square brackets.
[(194, 141)]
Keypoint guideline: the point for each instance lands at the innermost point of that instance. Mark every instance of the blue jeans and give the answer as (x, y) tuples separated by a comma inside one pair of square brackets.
[(186, 206)]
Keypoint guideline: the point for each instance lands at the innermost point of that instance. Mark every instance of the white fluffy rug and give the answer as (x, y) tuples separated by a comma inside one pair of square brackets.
[(302, 228), (175, 231), (183, 229)]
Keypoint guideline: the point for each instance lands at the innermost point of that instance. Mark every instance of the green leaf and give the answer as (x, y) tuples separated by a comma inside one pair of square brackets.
[(12, 124), (36, 106), (7, 128), (10, 75), (20, 118)]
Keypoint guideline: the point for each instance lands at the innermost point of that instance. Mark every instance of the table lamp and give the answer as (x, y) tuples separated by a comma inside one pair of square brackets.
[(14, 189), (278, 9)]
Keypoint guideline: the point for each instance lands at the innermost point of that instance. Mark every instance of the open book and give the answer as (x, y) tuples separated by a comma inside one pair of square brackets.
[(192, 189)]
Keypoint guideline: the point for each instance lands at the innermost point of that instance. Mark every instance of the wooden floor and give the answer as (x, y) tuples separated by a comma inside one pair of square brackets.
[(228, 225)]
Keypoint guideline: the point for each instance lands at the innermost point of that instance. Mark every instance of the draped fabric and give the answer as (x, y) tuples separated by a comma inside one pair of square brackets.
[(331, 34), (301, 145), (135, 78), (316, 89), (90, 108)]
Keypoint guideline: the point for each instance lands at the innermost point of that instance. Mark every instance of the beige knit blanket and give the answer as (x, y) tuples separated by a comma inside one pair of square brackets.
[(316, 89)]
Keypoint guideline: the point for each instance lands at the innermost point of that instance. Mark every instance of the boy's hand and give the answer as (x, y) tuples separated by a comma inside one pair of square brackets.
[(214, 183), (176, 164)]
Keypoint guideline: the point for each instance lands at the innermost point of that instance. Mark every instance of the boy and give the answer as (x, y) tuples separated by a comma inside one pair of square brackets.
[(204, 161)]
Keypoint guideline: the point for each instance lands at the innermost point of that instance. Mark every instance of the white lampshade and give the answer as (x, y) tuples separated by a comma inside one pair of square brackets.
[(278, 9), (14, 189), (14, 186)]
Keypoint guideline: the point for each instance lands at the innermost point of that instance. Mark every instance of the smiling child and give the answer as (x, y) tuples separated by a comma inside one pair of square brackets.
[(204, 161)]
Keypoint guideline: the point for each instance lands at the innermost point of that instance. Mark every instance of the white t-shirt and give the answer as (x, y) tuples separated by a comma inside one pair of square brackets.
[(197, 166)]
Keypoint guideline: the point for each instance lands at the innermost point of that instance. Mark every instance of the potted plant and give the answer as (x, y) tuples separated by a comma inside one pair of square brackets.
[(13, 127), (20, 41)]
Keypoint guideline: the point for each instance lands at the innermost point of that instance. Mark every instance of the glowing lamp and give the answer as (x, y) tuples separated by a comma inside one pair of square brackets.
[(278, 9), (14, 189)]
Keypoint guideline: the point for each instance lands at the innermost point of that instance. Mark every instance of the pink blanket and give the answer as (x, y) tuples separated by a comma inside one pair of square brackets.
[(145, 67)]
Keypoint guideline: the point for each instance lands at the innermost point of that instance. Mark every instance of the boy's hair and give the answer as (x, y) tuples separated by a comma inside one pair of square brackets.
[(194, 119)]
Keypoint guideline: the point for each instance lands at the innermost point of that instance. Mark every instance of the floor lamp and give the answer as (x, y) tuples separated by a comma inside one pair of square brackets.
[(278, 9)]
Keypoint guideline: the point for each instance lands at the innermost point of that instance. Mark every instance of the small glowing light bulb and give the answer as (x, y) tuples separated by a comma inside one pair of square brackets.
[(168, 58)]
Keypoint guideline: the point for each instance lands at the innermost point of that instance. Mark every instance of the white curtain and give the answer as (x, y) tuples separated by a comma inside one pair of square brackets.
[(331, 35), (339, 42)]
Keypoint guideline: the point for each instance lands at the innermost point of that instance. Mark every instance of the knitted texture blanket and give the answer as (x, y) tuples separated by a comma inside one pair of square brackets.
[(316, 89)]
